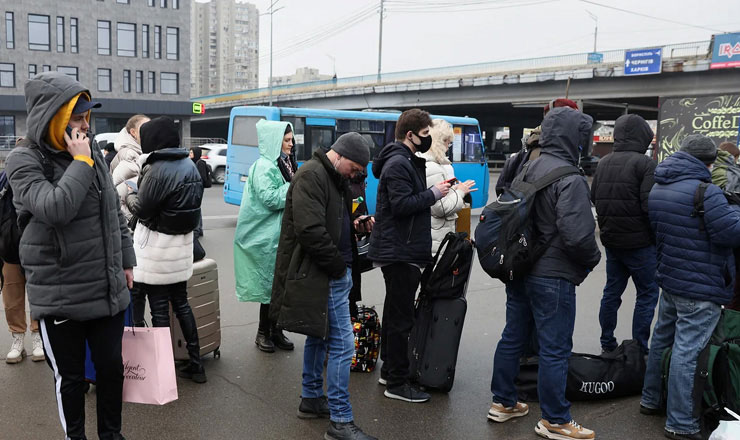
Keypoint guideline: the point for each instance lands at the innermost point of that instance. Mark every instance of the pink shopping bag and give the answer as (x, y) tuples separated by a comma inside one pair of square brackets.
[(148, 366)]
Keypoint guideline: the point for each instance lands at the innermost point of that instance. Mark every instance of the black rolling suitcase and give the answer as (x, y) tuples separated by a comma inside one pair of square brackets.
[(440, 314)]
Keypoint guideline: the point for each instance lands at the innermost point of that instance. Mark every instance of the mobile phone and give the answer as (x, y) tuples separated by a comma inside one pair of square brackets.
[(69, 131), (451, 181)]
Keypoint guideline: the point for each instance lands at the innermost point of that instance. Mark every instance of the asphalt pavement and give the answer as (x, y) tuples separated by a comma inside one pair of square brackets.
[(254, 395)]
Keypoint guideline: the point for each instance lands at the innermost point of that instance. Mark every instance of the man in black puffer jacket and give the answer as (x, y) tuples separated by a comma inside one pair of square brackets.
[(401, 243), (620, 191), (167, 205)]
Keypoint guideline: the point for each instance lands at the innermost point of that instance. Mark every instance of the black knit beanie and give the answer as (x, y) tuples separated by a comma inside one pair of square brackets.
[(159, 133)]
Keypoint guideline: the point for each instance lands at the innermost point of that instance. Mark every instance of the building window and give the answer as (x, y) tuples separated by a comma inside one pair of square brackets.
[(46, 68), (38, 32), (70, 71), (103, 37), (7, 75), (157, 41), (126, 33), (151, 3), (152, 77), (173, 43), (123, 2), (104, 80), (175, 4), (145, 40), (163, 4), (31, 71), (9, 30), (127, 81), (60, 34), (168, 83), (73, 36), (139, 81), (7, 126)]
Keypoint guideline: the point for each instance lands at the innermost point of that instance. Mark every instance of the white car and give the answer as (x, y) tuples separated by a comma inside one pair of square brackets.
[(107, 137), (215, 156)]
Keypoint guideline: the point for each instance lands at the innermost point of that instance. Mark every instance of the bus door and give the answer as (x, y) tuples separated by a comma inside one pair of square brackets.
[(243, 148), (319, 133), (468, 161)]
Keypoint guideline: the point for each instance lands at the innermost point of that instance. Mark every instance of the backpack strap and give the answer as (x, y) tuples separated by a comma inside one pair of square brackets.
[(698, 210), (555, 175)]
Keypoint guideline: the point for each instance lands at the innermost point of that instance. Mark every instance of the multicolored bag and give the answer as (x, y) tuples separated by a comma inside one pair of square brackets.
[(367, 339)]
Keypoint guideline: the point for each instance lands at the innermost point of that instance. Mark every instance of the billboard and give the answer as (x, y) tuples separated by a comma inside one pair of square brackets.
[(715, 116), (726, 51)]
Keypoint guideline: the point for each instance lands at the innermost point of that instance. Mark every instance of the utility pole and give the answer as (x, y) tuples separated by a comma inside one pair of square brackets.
[(272, 11), (380, 40), (596, 27)]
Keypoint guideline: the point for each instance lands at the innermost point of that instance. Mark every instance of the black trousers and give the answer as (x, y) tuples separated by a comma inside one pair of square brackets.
[(64, 346), (160, 297), (401, 282)]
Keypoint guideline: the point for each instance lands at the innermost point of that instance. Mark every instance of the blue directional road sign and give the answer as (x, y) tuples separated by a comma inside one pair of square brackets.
[(643, 61)]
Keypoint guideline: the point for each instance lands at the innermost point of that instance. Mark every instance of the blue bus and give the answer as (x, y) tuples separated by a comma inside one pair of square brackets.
[(317, 128)]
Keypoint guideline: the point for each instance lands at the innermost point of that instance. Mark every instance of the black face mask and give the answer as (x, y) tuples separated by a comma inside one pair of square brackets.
[(425, 145)]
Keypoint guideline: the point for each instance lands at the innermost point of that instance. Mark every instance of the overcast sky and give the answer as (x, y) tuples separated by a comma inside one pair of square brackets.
[(420, 34)]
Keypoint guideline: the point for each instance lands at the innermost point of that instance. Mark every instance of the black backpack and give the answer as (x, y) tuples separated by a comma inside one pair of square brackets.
[(505, 237), (448, 275), (10, 235)]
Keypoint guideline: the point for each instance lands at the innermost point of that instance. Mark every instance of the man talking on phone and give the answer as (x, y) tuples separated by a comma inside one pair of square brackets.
[(401, 243), (75, 248)]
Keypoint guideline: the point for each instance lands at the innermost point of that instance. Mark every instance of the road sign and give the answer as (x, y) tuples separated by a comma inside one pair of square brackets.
[(643, 61), (198, 108), (726, 51), (595, 58)]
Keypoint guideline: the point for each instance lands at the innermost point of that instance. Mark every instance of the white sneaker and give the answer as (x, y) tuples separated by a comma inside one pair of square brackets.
[(37, 354), (17, 352)]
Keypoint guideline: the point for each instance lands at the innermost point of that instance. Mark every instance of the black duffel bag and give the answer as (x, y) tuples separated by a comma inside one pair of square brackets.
[(591, 377)]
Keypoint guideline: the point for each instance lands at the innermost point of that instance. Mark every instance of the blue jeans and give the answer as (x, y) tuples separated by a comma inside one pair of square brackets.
[(549, 303), (686, 325), (341, 347), (621, 264)]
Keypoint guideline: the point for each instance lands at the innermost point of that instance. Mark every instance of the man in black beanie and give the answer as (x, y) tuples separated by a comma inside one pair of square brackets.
[(313, 278), (167, 205), (695, 231)]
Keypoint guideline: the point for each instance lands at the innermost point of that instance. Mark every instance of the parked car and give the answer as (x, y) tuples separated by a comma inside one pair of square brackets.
[(215, 156), (101, 139)]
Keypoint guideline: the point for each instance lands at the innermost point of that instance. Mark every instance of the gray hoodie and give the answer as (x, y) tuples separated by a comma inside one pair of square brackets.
[(562, 211), (76, 243)]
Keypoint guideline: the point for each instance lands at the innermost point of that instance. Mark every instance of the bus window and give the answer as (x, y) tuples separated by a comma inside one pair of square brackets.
[(244, 130), (472, 144), (299, 136), (316, 137), (374, 131)]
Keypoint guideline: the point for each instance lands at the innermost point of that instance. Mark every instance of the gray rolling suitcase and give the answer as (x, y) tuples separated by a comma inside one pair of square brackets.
[(203, 299)]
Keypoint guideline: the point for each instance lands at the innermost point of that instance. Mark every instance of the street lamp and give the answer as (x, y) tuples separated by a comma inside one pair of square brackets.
[(272, 11), (596, 26)]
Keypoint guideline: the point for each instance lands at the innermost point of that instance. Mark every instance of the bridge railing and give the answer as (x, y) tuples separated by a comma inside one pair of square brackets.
[(699, 49)]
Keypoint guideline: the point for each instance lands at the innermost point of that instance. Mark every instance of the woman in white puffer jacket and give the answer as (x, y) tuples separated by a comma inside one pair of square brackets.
[(439, 168), (125, 166)]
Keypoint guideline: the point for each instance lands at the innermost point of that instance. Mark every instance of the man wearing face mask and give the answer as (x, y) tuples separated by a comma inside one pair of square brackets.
[(401, 243)]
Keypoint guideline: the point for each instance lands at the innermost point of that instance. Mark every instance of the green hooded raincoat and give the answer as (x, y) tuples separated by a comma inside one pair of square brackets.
[(260, 216)]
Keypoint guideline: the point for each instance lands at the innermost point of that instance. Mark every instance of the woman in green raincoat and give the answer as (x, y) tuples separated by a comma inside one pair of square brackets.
[(258, 226)]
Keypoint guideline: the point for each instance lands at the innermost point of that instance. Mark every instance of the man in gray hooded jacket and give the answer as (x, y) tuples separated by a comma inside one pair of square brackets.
[(563, 222), (75, 248)]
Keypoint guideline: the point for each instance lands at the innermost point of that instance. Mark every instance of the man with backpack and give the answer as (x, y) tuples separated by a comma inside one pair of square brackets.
[(695, 231), (564, 229), (620, 190), (75, 248)]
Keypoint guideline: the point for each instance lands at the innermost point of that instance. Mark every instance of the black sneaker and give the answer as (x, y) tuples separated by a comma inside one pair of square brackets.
[(346, 431), (194, 372), (677, 436), (407, 393), (313, 408), (280, 341), (645, 410)]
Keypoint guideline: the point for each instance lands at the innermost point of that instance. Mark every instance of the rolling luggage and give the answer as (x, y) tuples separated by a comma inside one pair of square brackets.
[(203, 299), (440, 313)]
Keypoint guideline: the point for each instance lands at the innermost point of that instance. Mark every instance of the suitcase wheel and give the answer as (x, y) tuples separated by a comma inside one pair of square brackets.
[(217, 353)]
